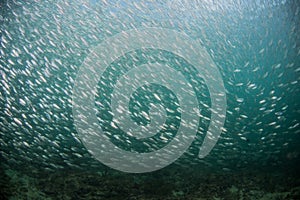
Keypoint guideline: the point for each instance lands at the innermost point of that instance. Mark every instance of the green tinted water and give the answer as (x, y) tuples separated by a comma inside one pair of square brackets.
[(254, 45)]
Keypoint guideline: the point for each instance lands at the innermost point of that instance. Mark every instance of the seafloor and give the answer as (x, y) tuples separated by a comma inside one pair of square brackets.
[(173, 182)]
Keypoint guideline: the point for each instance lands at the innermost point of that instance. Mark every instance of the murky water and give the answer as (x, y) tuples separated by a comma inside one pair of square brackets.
[(254, 46)]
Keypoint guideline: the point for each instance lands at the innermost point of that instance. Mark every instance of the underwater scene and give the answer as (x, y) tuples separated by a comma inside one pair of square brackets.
[(150, 99)]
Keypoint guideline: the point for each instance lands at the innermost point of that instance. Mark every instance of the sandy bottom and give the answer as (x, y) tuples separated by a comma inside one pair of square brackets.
[(172, 183)]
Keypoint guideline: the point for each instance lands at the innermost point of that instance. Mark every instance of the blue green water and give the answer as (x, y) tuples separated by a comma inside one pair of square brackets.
[(255, 46)]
